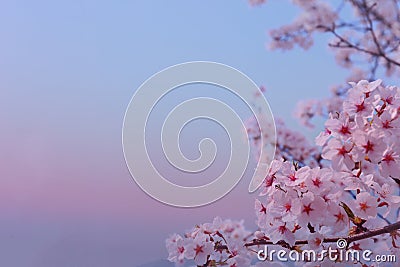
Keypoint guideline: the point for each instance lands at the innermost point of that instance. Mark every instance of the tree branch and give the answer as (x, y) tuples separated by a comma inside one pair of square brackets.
[(365, 235)]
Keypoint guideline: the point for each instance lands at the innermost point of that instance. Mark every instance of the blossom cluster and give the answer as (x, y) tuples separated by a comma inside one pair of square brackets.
[(352, 187), (358, 190), (220, 242), (301, 203)]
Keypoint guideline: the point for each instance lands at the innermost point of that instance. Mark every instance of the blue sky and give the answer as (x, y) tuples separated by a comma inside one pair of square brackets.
[(69, 69)]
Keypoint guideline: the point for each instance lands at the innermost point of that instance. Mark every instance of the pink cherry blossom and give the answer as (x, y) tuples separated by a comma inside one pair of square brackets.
[(337, 218), (199, 249), (176, 248), (312, 208), (340, 127), (318, 180), (323, 137), (387, 122), (364, 86), (368, 146), (285, 205), (339, 153), (365, 205), (389, 95), (390, 163), (315, 240), (281, 231), (357, 104)]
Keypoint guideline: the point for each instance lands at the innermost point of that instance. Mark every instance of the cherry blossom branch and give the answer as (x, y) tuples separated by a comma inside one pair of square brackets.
[(357, 237), (373, 33), (345, 43), (367, 14), (380, 231)]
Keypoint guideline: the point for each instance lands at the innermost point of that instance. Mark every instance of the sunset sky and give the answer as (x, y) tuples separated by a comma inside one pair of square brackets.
[(68, 70)]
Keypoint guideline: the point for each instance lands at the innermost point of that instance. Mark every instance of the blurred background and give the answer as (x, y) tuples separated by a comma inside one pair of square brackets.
[(68, 70)]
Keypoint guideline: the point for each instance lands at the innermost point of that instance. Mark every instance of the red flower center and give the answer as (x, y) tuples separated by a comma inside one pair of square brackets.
[(198, 249), (307, 209), (342, 151), (339, 217), (292, 177), (388, 158), (368, 147), (282, 229), (263, 209), (288, 206), (386, 124), (317, 182), (360, 107), (364, 206), (344, 130)]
